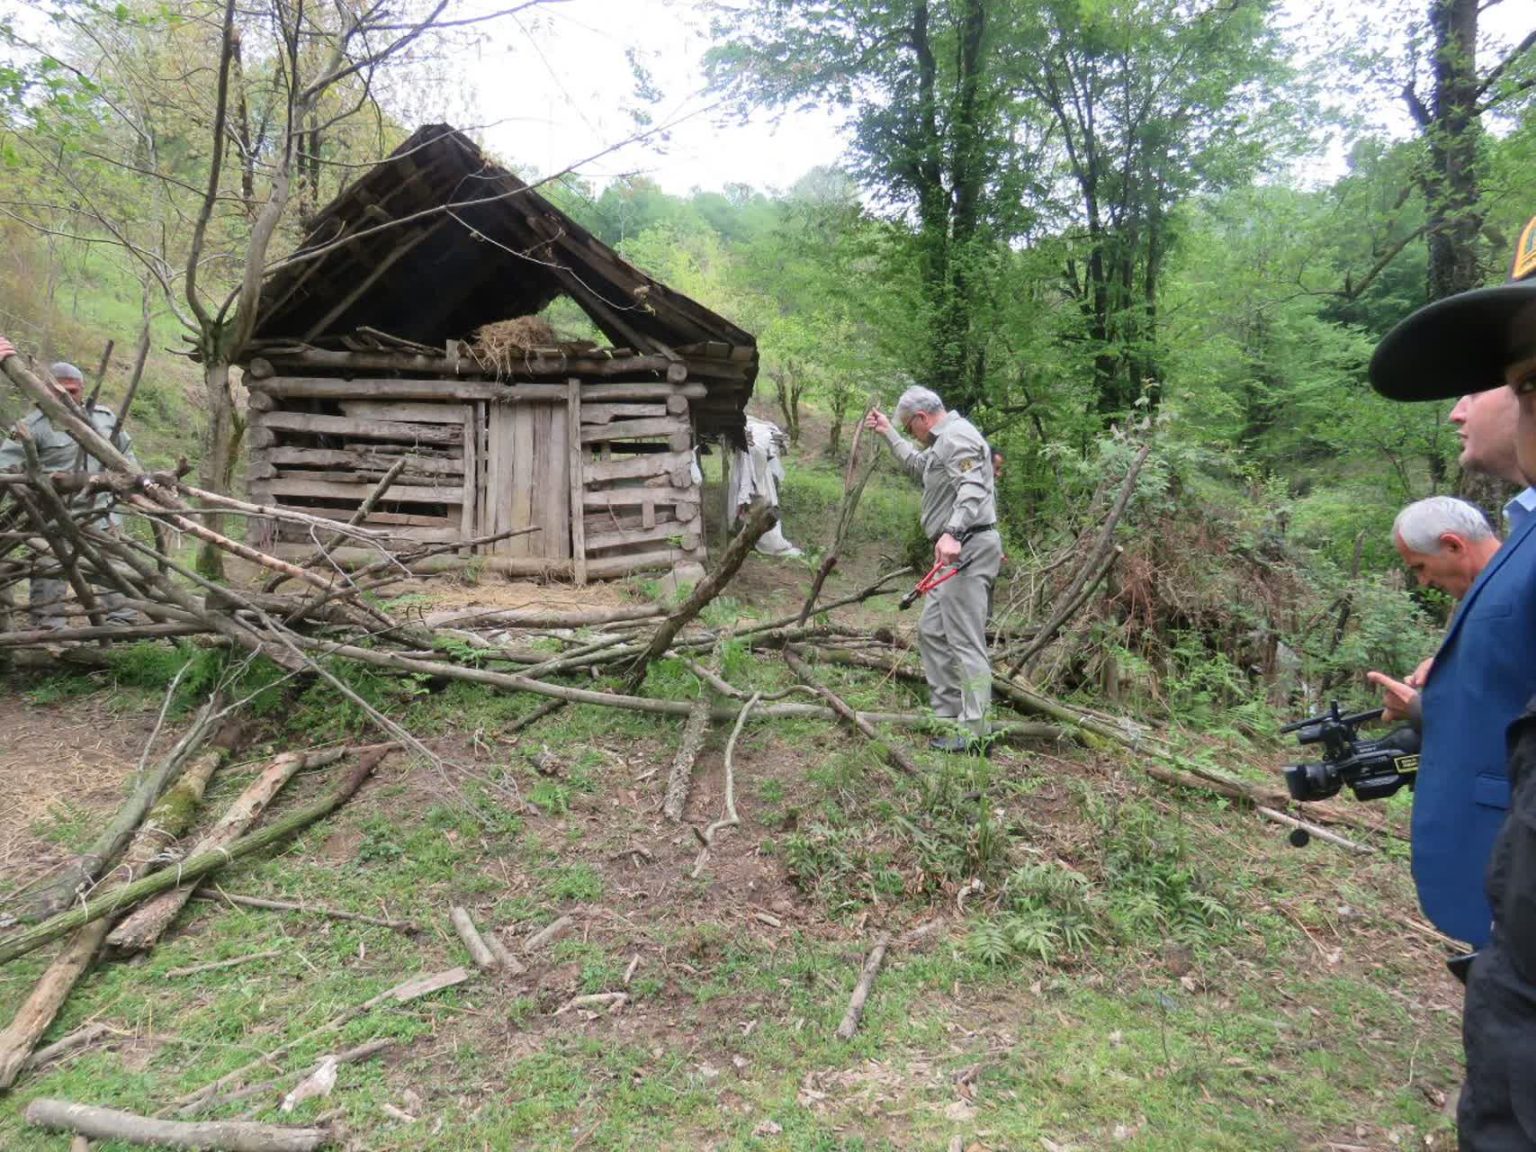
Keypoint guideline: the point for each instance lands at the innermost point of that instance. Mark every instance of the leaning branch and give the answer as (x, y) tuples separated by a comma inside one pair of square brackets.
[(762, 519)]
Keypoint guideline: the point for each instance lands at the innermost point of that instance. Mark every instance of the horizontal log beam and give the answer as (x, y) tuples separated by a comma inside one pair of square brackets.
[(447, 530), (425, 412), (685, 536), (607, 413), (636, 467), (362, 429), (386, 521), (379, 462), (634, 429), (460, 391), (529, 368), (625, 563), (629, 497), (329, 490)]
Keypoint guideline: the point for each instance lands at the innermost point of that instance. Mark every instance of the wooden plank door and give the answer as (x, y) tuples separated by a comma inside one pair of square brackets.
[(527, 479)]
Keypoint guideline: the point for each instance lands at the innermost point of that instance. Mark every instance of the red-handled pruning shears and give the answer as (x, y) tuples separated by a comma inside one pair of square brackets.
[(939, 573)]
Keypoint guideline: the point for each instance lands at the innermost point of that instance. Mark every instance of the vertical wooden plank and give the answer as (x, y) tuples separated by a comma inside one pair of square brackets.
[(523, 478), (578, 483), (557, 494), (471, 471), (501, 449), (483, 515)]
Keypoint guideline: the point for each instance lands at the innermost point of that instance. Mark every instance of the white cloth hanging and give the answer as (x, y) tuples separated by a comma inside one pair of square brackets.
[(757, 474)]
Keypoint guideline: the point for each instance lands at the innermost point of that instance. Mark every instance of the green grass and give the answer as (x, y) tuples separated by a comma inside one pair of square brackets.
[(1121, 966)]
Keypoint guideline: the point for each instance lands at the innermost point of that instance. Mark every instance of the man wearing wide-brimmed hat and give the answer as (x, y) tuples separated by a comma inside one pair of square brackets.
[(1474, 814)]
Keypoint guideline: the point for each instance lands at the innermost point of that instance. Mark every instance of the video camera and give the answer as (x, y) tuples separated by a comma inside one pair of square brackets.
[(1373, 769)]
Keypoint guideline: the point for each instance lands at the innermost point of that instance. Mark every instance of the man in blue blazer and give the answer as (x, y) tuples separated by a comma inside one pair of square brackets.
[(1483, 682)]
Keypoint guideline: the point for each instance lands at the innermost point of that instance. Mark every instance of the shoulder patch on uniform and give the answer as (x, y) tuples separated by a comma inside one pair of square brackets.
[(965, 465)]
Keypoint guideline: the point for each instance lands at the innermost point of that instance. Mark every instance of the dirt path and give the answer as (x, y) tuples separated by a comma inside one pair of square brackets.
[(63, 765)]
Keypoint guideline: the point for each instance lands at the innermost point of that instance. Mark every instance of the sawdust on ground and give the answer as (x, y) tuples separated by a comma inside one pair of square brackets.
[(515, 595)]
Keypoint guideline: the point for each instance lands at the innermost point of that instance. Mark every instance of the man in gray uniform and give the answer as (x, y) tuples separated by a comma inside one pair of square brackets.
[(960, 517), (58, 452)]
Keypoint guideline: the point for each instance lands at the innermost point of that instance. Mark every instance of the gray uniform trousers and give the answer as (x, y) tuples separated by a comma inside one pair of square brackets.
[(46, 604), (58, 452), (952, 635)]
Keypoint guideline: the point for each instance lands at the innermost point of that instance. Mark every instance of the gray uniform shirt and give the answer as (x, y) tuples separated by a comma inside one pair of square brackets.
[(956, 471), (57, 450)]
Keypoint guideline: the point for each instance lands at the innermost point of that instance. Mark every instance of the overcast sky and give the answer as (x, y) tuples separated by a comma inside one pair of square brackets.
[(566, 87), (555, 90)]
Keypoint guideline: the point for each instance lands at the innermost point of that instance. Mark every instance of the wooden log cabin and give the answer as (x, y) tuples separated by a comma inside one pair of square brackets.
[(364, 354)]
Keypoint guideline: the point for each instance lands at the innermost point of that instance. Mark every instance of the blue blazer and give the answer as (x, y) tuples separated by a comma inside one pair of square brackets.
[(1483, 675)]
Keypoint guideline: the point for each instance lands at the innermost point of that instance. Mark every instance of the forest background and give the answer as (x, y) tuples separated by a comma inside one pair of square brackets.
[(1084, 222)]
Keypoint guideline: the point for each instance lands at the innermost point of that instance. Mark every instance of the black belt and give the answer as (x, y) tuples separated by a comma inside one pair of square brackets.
[(976, 531), (967, 534)]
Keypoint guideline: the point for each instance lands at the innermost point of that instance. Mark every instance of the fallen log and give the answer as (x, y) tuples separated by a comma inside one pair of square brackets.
[(36, 637), (164, 824), (67, 1045), (220, 965), (549, 934), (855, 1012), (869, 591), (479, 951), (140, 931), (680, 777), (695, 730), (1311, 829), (215, 1135), (194, 868)]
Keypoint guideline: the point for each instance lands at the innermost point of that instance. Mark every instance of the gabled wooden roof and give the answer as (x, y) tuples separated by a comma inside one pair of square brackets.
[(443, 241)]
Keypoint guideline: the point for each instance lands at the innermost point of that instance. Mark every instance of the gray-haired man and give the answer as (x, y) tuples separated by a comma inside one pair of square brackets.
[(1446, 543), (960, 517), (58, 452)]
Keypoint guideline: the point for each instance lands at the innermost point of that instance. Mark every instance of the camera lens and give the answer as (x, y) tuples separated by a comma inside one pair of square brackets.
[(1312, 781)]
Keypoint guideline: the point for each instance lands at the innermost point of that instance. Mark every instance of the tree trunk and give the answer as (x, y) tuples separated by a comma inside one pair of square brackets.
[(960, 355), (243, 128), (221, 449), (1452, 131)]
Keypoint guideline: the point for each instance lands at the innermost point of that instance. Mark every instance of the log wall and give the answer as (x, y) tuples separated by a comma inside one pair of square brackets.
[(602, 467)]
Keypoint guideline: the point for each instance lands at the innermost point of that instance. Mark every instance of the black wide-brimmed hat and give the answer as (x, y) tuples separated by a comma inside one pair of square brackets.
[(1463, 343)]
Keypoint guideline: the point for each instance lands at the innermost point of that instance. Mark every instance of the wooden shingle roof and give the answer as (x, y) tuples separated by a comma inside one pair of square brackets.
[(437, 240)]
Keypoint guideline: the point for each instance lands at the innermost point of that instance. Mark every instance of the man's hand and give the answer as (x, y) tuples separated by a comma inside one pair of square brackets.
[(1397, 697), (946, 550), (877, 421), (7, 349)]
